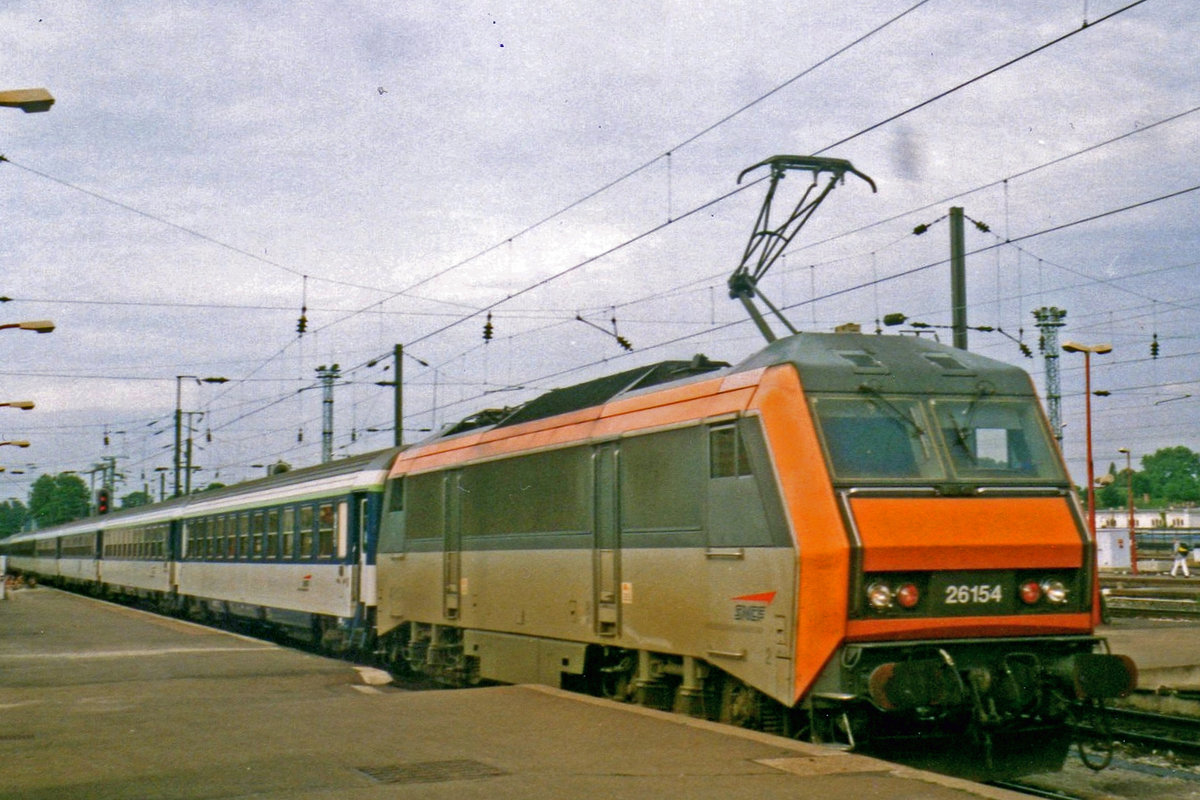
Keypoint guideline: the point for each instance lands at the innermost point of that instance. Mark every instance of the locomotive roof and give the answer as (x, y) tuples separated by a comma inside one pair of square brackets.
[(827, 362), (601, 390), (584, 395), (844, 362)]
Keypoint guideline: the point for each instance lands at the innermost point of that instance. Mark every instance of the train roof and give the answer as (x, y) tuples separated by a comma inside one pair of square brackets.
[(361, 472), (844, 362), (595, 392), (827, 362), (365, 471), (601, 390)]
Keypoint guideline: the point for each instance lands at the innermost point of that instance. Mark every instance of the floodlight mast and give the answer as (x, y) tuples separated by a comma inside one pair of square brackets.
[(768, 242)]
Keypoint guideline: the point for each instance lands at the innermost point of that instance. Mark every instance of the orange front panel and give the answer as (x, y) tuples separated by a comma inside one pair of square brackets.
[(823, 560), (959, 533)]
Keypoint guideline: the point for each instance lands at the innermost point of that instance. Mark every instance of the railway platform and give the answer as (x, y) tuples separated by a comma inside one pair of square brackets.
[(102, 701)]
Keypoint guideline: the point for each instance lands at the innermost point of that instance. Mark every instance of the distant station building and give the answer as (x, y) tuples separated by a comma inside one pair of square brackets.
[(1157, 529)]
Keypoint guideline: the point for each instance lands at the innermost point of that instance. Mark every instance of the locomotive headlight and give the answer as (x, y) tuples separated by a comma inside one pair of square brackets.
[(1055, 591), (879, 595)]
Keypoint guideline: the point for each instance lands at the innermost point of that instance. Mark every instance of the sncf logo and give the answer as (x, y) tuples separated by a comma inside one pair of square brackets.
[(752, 607)]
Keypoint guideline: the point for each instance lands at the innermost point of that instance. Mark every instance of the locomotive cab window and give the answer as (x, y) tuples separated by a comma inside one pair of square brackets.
[(996, 439), (395, 495), (876, 437), (727, 457)]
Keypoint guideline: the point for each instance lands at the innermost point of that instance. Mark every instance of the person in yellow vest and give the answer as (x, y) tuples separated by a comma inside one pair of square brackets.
[(1181, 553)]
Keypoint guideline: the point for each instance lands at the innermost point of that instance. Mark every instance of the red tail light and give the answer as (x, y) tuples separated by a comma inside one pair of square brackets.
[(908, 595), (1030, 592)]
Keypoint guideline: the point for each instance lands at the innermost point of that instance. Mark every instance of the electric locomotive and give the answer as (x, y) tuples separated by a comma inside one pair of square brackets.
[(868, 540)]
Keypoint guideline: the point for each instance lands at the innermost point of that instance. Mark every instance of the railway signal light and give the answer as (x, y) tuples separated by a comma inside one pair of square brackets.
[(103, 501)]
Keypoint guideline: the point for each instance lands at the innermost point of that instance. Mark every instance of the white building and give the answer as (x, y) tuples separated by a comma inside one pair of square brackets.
[(1149, 518)]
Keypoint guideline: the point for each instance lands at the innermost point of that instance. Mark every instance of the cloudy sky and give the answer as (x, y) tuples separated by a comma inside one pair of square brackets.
[(400, 170)]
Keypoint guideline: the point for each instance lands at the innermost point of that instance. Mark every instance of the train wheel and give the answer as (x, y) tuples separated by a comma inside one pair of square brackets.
[(739, 703), (609, 672), (747, 707)]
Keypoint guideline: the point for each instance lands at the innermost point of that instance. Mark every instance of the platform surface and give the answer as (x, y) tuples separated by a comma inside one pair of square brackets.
[(102, 701)]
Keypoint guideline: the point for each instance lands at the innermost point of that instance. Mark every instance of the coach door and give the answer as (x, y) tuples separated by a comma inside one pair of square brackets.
[(606, 545), (452, 545)]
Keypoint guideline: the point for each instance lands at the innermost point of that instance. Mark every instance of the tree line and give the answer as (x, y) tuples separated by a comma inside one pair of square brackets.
[(53, 500), (1170, 476)]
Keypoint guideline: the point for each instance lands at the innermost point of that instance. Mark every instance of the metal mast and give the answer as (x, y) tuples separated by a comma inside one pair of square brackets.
[(327, 375), (1049, 320)]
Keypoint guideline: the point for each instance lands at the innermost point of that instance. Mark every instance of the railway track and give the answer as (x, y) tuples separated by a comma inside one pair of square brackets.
[(1150, 595), (1144, 730)]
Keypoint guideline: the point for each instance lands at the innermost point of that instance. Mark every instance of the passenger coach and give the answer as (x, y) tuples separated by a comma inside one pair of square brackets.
[(293, 551)]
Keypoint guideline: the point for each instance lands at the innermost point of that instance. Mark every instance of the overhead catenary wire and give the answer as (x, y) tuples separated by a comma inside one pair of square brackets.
[(918, 4)]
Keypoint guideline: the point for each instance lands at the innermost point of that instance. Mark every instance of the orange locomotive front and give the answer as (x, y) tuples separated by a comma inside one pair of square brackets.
[(947, 584)]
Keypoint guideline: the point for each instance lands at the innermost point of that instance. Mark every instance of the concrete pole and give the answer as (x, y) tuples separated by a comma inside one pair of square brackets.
[(398, 395), (958, 278)]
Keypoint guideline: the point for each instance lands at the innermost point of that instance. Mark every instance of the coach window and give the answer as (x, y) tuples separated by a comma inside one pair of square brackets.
[(273, 533), (243, 527), (228, 536), (306, 532), (216, 536), (258, 530), (326, 529), (230, 525), (288, 538)]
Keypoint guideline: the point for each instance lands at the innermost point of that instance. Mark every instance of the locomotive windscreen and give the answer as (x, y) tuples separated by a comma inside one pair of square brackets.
[(891, 438)]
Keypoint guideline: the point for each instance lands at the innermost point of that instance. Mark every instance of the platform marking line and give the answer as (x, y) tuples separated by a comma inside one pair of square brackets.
[(168, 622), (163, 651)]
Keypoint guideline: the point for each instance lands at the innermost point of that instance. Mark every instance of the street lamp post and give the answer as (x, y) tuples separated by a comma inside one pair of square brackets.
[(1087, 350), (28, 100), (37, 326), (1133, 558)]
